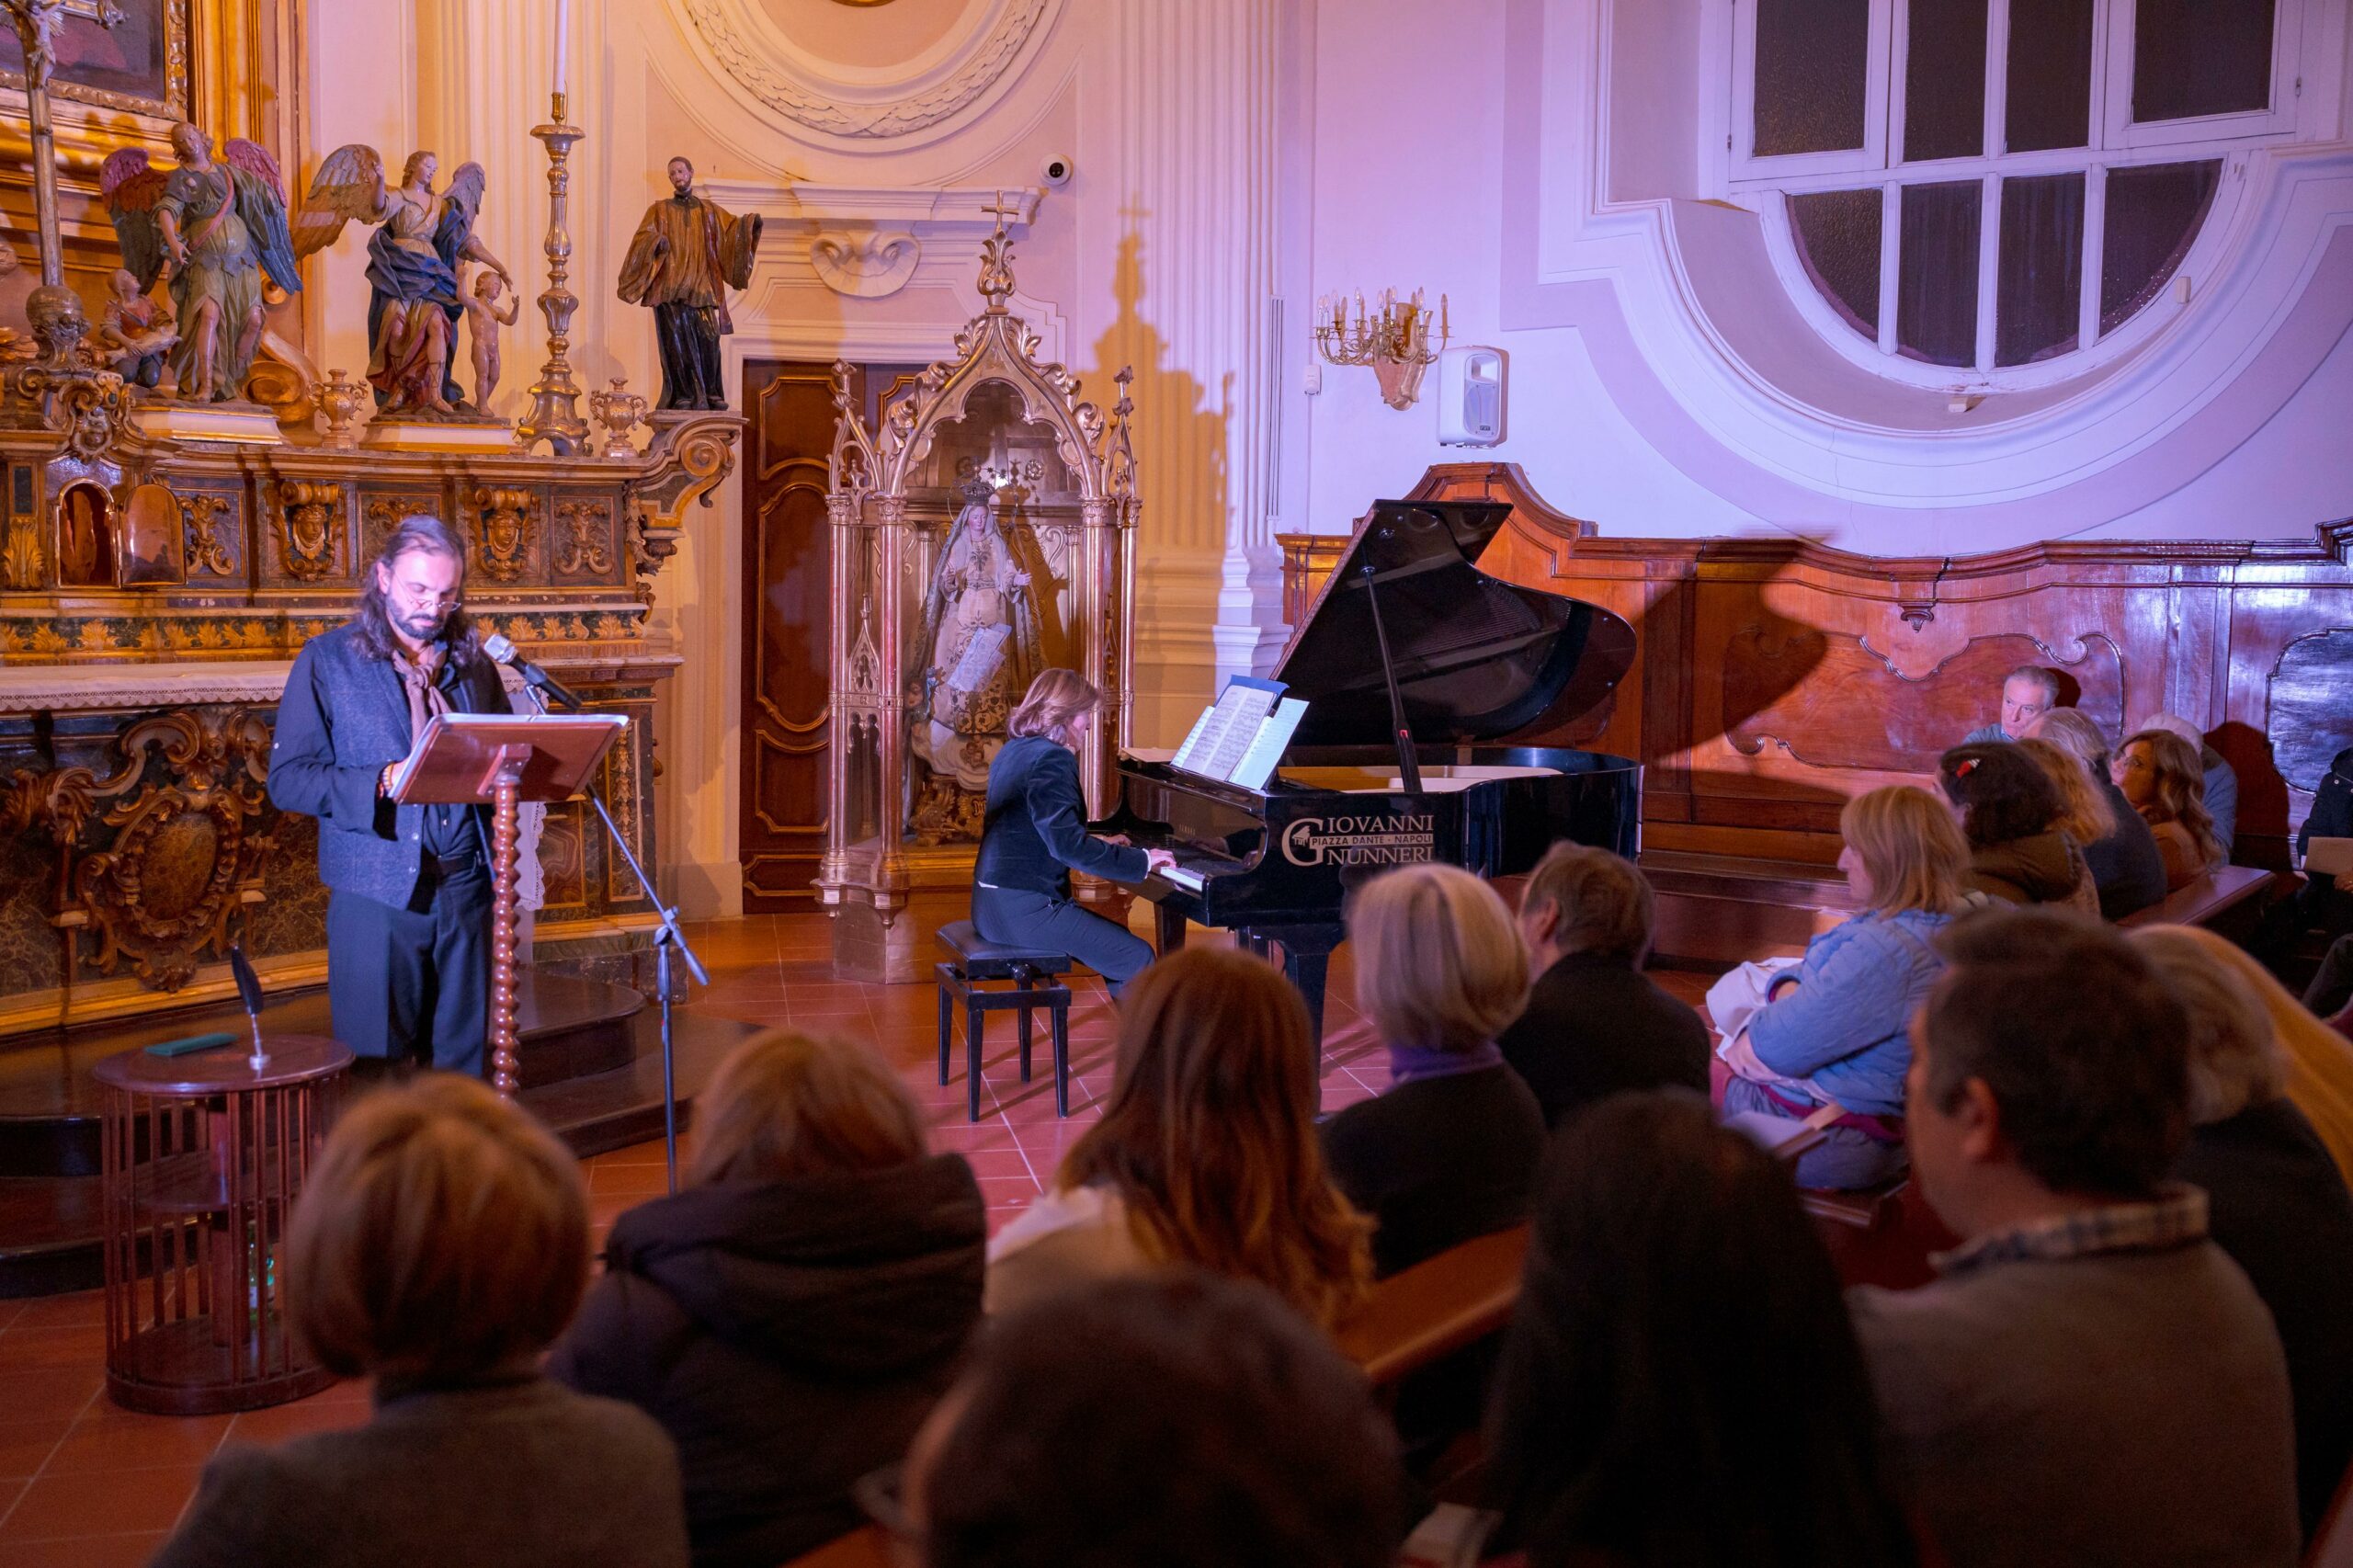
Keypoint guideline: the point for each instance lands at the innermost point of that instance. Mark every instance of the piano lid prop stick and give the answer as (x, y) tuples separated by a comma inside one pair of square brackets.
[(1409, 768)]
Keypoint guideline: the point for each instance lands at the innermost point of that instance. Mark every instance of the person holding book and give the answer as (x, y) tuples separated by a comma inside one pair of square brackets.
[(1035, 836)]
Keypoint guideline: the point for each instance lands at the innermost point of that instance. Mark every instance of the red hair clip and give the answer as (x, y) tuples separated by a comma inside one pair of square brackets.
[(1961, 770)]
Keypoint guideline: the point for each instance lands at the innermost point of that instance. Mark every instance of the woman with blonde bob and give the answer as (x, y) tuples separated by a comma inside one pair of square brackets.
[(1449, 1152), (2276, 1201), (1832, 1029), (1035, 836), (792, 1314), (2127, 872), (440, 1242), (1206, 1154)]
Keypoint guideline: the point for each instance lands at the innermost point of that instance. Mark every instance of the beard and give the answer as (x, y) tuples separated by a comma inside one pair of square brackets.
[(421, 628)]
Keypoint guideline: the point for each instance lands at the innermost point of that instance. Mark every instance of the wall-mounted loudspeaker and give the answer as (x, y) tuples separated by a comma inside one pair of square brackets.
[(1470, 397)]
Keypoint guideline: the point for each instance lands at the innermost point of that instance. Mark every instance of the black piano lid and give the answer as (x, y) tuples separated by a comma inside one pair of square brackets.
[(1478, 659)]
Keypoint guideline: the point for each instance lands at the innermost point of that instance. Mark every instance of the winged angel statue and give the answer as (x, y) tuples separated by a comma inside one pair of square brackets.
[(422, 237), (214, 229)]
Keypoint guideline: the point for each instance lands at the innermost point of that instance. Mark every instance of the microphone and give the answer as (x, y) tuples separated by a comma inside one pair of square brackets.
[(502, 652)]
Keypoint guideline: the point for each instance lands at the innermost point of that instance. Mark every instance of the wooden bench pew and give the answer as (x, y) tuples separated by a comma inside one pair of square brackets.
[(1427, 1312), (2228, 901), (865, 1547)]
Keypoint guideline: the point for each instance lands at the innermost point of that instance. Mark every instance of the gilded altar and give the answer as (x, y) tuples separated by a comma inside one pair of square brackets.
[(984, 531), (153, 595)]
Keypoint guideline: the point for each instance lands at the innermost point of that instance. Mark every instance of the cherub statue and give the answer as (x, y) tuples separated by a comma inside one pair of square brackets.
[(483, 319), (421, 238), (136, 333), (213, 229)]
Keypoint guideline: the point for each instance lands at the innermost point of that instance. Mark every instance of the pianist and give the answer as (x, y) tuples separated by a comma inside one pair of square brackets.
[(1036, 835)]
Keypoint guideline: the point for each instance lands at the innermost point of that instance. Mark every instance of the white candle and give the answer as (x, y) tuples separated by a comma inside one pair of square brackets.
[(563, 41)]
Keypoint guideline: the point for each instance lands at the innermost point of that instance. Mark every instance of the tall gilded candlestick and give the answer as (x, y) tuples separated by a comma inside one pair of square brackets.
[(556, 416)]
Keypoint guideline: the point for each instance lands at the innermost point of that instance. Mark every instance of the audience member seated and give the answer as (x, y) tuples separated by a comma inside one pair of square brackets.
[(1595, 1024), (2010, 813), (1681, 1385), (2326, 903), (2027, 692), (2221, 779), (1832, 1029), (1186, 1420), (441, 1243), (2127, 871), (2276, 1201), (2092, 1381), (2331, 992), (1449, 1152), (2158, 773), (792, 1313), (1206, 1153)]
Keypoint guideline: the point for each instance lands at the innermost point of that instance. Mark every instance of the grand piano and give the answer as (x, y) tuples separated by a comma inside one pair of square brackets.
[(1429, 688)]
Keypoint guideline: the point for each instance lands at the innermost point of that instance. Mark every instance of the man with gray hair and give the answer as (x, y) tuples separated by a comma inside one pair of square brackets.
[(408, 905), (2027, 692)]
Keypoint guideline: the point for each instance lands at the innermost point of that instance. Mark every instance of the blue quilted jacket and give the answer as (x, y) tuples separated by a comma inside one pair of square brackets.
[(1844, 1026)]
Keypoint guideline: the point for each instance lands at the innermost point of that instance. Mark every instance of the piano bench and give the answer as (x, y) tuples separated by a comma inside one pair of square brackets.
[(963, 978)]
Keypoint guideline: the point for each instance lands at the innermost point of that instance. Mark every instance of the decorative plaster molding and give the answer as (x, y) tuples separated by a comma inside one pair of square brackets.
[(868, 263), (755, 57)]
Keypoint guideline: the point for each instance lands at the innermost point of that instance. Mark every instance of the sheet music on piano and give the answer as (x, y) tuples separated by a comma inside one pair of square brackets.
[(1240, 737)]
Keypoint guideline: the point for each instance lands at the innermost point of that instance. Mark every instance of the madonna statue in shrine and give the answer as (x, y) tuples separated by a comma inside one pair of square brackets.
[(981, 649)]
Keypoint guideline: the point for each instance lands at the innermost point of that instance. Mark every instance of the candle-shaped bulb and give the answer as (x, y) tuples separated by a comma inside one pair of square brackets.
[(563, 44)]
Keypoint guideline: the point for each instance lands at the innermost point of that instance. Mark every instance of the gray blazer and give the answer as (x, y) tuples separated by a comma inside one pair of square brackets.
[(518, 1475), (343, 717)]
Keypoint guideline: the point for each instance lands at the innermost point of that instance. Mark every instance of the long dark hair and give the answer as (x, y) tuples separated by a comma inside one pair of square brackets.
[(2003, 793), (1681, 1384), (373, 620)]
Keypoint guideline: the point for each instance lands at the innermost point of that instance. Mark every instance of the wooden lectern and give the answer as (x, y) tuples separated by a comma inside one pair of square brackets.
[(500, 761)]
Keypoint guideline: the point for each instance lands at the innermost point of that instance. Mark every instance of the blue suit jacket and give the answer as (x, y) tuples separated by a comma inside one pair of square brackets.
[(343, 717), (1036, 827)]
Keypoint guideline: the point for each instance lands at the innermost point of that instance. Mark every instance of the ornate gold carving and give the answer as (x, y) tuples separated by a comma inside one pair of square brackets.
[(583, 531), (184, 849), (312, 540), (21, 558), (209, 554), (695, 456), (503, 532), (621, 885)]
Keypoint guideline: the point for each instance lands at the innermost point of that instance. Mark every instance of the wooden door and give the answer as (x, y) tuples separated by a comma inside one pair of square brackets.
[(788, 561)]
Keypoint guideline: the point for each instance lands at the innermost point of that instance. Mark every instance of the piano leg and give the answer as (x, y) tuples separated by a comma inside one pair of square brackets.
[(1169, 927), (1307, 959)]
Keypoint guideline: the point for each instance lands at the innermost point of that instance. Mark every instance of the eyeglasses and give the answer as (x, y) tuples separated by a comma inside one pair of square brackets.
[(427, 601), (881, 1495)]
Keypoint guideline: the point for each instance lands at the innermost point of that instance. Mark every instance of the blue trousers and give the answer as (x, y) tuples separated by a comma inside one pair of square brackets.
[(1845, 1159), (413, 981), (1032, 919)]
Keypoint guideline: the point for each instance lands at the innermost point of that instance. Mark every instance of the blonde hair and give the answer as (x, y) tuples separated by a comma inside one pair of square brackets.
[(2084, 814), (2234, 1059), (2180, 785), (2320, 1061), (1438, 959), (2072, 731), (1209, 1134), (1912, 849), (1053, 699), (785, 1105), (442, 1234)]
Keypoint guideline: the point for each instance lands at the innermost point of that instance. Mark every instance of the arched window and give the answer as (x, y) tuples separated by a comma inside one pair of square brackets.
[(1979, 189)]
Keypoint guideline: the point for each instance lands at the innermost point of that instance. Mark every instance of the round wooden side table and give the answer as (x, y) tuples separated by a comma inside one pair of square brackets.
[(203, 1156)]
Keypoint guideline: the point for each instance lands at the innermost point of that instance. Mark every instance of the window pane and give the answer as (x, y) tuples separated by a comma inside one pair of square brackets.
[(1936, 293), (2038, 308), (1944, 80), (2152, 216), (2050, 75), (1811, 74), (1838, 233), (2194, 57)]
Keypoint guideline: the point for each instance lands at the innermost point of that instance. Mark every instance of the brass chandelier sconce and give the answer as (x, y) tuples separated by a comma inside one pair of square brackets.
[(1394, 340)]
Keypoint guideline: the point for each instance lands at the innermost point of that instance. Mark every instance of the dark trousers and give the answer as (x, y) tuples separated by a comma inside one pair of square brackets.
[(1033, 920), (689, 338), (413, 981), (2333, 986)]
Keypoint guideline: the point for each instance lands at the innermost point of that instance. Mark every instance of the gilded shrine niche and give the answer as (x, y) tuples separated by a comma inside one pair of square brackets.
[(984, 532)]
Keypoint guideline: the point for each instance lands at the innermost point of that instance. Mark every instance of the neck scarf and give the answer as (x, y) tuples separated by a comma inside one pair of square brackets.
[(419, 673), (1408, 1062)]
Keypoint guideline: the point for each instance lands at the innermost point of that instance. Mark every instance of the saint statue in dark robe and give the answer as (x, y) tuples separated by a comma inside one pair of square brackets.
[(687, 254)]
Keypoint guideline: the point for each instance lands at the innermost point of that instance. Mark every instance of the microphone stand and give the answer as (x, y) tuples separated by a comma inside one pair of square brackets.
[(665, 985)]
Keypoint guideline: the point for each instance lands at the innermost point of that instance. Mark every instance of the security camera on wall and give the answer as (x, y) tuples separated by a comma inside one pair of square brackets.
[(1470, 396), (1057, 169)]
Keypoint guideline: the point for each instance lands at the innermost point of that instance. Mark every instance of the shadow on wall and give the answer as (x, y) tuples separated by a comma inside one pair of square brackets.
[(1180, 441)]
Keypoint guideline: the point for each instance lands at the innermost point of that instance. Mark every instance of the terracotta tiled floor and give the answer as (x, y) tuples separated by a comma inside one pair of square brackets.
[(86, 1483)]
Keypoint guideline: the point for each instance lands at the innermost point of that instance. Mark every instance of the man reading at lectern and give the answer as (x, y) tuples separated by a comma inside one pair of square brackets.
[(408, 904)]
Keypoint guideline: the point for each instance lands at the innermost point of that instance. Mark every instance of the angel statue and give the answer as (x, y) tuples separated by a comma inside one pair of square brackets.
[(422, 236), (981, 649), (212, 229)]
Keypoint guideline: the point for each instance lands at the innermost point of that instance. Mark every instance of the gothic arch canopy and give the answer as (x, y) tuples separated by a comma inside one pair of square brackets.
[(918, 100)]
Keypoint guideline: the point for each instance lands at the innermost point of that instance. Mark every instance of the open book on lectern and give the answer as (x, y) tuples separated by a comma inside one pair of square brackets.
[(1240, 737)]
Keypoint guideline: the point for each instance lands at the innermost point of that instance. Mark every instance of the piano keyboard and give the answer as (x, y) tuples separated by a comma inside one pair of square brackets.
[(1190, 880)]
